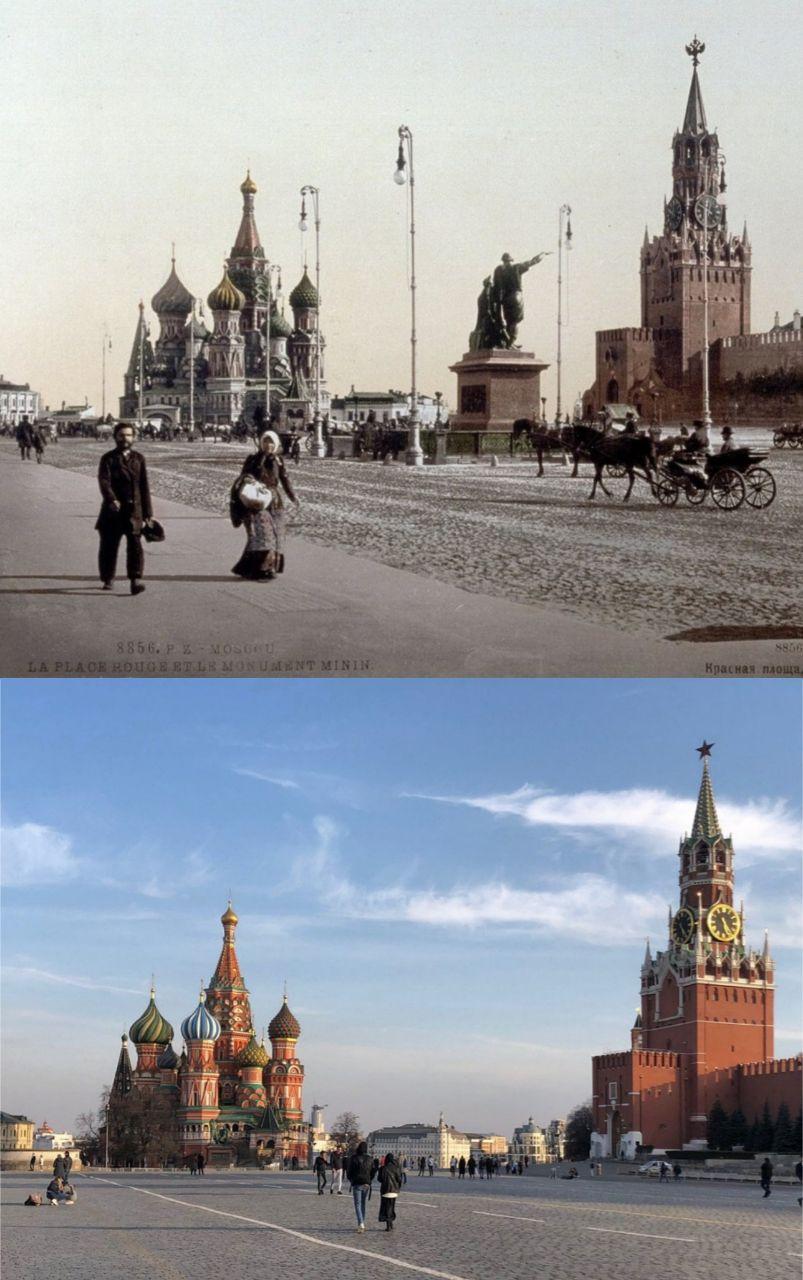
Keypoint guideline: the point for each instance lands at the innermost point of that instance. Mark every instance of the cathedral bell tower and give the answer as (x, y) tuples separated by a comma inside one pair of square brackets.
[(227, 1000), (695, 239)]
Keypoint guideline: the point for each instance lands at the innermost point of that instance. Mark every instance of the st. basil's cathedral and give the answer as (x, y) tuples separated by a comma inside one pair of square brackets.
[(229, 374), (230, 1096)]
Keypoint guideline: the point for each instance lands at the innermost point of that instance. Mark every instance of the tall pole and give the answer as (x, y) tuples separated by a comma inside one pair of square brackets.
[(141, 358), (318, 446), (269, 273), (192, 371), (106, 339), (415, 454), (706, 405), (565, 211)]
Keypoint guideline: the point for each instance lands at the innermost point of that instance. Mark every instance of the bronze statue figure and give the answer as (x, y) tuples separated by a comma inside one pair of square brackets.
[(499, 306)]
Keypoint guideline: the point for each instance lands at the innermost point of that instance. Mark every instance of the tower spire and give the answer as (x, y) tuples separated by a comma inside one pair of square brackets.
[(694, 120), (706, 822)]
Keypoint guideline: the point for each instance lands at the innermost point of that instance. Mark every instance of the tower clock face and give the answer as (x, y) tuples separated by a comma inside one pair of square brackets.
[(723, 923), (683, 926), (674, 214), (707, 211)]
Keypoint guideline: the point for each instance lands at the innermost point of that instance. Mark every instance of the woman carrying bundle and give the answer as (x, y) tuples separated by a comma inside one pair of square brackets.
[(257, 503)]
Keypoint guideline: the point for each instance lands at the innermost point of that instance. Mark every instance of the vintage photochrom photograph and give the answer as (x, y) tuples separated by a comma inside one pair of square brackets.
[(401, 340)]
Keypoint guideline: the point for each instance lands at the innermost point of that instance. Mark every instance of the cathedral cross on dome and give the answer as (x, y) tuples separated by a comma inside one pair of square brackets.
[(705, 749), (694, 50)]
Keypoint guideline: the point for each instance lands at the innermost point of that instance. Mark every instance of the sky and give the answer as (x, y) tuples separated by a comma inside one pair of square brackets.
[(454, 878), (128, 126)]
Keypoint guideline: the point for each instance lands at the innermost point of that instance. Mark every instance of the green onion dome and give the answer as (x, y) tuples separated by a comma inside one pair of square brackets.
[(226, 297), (254, 1054), (172, 298), (168, 1059), (151, 1027), (305, 294), (284, 1026), (280, 326)]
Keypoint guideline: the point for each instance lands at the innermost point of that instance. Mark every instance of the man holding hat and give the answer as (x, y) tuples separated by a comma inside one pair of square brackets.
[(126, 509)]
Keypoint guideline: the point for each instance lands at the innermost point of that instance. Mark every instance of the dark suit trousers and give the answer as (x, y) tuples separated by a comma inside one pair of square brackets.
[(114, 528)]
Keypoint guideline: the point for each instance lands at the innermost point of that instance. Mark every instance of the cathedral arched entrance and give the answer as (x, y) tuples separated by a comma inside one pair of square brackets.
[(613, 391), (614, 1132)]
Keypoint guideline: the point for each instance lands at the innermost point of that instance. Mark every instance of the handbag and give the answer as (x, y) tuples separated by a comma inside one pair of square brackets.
[(255, 495)]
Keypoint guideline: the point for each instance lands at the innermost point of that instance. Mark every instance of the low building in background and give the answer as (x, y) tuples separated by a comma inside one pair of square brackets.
[(530, 1140), (17, 401), (320, 1140), (412, 1141), (16, 1132), (45, 1139), (488, 1144)]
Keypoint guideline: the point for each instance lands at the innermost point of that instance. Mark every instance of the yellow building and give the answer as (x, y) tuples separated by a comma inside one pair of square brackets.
[(16, 1132)]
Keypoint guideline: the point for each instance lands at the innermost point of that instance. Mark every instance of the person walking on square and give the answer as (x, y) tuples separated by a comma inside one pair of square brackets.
[(336, 1164), (359, 1173), (67, 1166), (389, 1186), (422, 1166), (430, 1166), (126, 509), (263, 556), (201, 1163), (453, 1165), (58, 1166), (461, 1168), (32, 1165), (320, 1172), (38, 441), (24, 434), (471, 1166), (766, 1176)]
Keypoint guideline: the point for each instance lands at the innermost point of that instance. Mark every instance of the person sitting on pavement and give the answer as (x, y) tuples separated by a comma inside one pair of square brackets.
[(60, 1192)]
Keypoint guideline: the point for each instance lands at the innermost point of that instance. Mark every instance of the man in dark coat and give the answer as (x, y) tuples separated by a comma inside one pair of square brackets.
[(24, 435), (766, 1176), (123, 480)]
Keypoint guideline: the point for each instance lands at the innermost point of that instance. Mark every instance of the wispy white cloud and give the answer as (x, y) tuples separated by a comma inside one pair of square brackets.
[(266, 777), (653, 818), (140, 871), (35, 854), (585, 906), (30, 974)]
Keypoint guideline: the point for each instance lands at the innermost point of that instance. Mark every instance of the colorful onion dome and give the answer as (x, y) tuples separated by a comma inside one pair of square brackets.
[(200, 1025), (284, 1026), (280, 326), (248, 186), (305, 294), (254, 1054), (168, 1059), (229, 915), (172, 298), (151, 1027), (226, 297)]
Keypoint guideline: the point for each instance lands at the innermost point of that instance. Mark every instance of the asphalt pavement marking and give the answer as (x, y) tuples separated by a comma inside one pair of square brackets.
[(298, 1235), (518, 1217), (645, 1235)]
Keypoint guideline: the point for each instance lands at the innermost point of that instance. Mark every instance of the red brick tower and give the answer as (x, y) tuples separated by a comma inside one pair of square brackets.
[(695, 238), (252, 1060), (707, 997), (227, 1000), (198, 1105), (284, 1079)]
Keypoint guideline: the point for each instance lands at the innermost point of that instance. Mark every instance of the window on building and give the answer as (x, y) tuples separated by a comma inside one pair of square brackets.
[(613, 1091)]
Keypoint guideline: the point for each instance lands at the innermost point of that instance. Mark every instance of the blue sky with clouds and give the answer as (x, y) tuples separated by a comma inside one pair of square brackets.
[(454, 877)]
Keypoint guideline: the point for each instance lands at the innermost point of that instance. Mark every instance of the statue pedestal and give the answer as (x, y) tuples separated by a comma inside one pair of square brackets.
[(495, 387)]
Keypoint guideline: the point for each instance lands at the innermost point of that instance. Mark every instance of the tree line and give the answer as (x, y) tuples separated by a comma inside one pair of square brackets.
[(725, 1131)]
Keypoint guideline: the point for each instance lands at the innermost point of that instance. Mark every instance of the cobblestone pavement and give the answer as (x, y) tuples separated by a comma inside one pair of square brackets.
[(172, 1227), (502, 531)]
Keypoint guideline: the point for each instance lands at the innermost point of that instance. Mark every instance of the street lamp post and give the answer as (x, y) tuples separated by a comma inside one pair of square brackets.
[(709, 172), (192, 372), (269, 270), (141, 360), (415, 454), (438, 400), (107, 342), (318, 446), (564, 213)]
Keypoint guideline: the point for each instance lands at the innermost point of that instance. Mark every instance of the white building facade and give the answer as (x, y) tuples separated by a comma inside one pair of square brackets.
[(17, 401), (412, 1141)]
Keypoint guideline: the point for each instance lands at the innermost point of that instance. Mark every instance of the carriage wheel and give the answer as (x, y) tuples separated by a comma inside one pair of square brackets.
[(611, 469), (694, 495), (666, 491), (779, 439), (796, 442), (760, 488), (727, 489), (307, 442)]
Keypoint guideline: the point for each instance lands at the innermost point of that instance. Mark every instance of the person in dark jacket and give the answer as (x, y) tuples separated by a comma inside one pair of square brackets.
[(59, 1170), (24, 434), (320, 1172), (38, 441), (461, 1167), (390, 1181), (471, 1166), (123, 481), (263, 557), (766, 1175), (359, 1172)]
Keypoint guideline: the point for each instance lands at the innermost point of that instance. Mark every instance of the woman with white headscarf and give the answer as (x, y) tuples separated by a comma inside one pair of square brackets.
[(257, 503)]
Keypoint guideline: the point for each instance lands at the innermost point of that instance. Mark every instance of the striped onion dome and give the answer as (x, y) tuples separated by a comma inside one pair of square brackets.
[(168, 1059), (200, 1025), (284, 1026), (305, 294), (226, 297), (151, 1027), (254, 1054)]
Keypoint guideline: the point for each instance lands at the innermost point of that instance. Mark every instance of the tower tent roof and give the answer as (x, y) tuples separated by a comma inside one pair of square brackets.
[(121, 1084), (227, 975), (706, 822), (694, 120), (247, 243)]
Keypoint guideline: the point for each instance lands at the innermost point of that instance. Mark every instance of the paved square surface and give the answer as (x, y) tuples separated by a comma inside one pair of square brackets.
[(231, 1226)]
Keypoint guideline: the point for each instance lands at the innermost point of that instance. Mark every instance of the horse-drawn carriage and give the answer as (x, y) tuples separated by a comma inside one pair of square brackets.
[(791, 434), (730, 478)]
